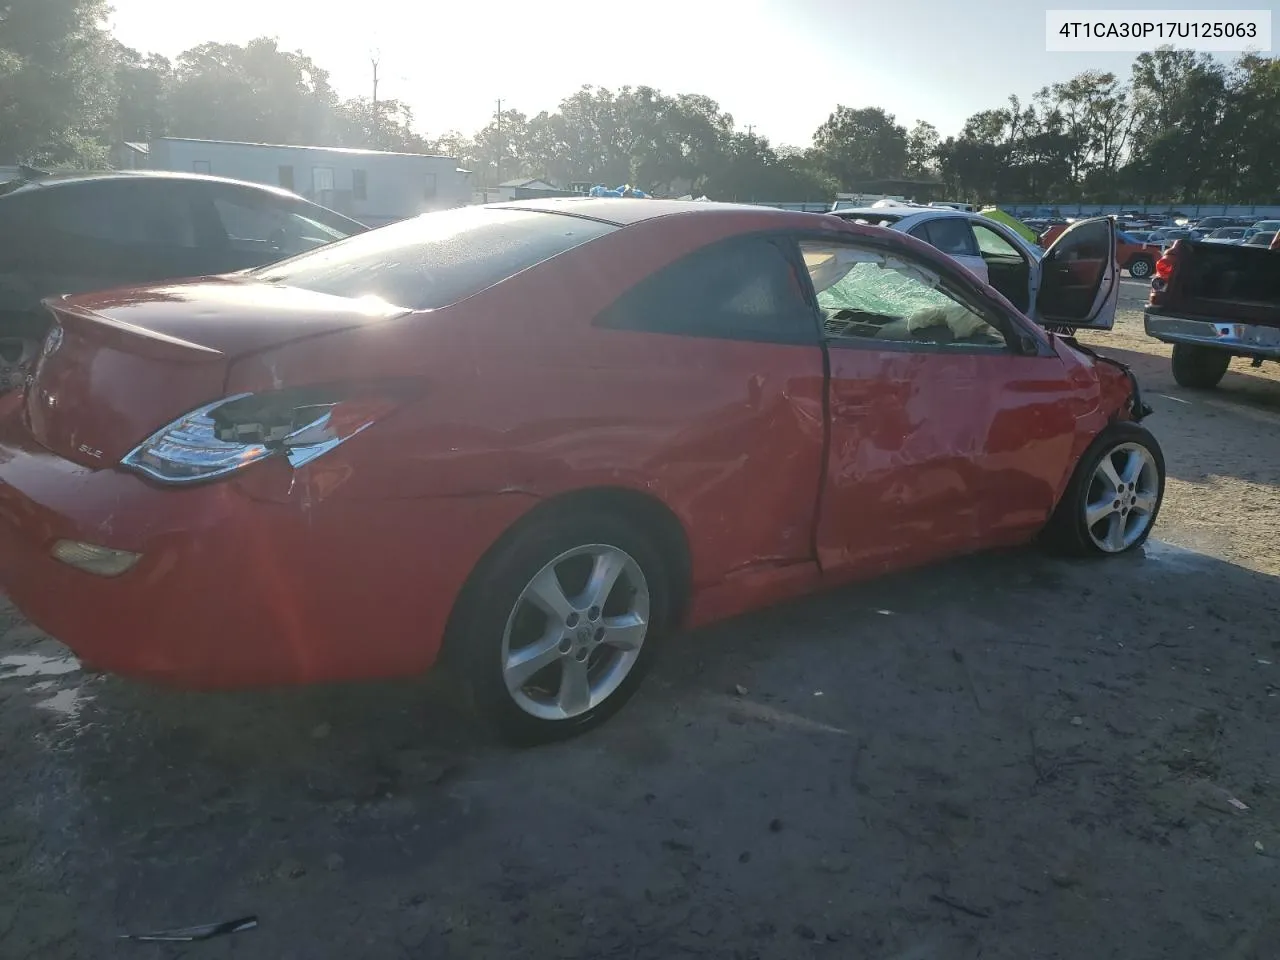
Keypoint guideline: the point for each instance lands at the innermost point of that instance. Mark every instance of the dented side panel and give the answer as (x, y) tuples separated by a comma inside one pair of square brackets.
[(936, 453)]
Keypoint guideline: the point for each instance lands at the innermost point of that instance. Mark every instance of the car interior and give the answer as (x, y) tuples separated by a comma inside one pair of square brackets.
[(868, 295), (1008, 269)]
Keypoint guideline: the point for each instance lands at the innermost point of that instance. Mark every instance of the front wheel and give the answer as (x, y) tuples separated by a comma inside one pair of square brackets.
[(559, 628), (1114, 496)]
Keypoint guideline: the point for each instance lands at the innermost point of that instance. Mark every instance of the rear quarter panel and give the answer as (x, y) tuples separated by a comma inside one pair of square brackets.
[(523, 396)]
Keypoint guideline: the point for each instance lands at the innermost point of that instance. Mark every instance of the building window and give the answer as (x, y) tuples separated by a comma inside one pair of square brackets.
[(322, 179), (359, 185), (286, 177), (200, 166), (430, 190)]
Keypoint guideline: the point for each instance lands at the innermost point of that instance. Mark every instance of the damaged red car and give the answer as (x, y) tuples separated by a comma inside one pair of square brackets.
[(532, 440)]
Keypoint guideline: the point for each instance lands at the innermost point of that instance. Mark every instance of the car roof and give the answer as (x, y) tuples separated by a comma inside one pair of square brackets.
[(850, 213), (624, 211), (63, 179)]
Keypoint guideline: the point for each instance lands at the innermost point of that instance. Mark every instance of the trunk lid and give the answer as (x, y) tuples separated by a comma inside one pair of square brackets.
[(117, 366)]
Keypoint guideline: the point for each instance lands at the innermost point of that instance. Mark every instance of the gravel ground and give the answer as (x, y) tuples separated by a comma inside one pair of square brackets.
[(1008, 757)]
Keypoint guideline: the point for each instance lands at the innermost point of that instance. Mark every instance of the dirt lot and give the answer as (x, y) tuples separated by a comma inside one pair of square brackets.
[(1007, 757)]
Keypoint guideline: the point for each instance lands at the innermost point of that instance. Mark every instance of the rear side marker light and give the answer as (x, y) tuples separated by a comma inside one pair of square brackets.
[(91, 558)]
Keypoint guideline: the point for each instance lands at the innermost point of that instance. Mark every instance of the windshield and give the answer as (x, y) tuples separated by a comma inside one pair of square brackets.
[(1261, 239), (435, 259)]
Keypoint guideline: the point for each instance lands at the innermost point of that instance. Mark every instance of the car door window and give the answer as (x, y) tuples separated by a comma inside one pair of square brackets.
[(258, 224), (990, 243), (743, 289), (951, 235), (125, 212), (871, 296)]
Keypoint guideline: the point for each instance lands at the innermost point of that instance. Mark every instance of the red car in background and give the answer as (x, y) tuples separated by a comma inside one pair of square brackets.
[(532, 439), (1133, 255)]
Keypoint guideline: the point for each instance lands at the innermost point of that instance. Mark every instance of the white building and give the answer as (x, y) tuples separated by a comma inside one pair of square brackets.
[(373, 186)]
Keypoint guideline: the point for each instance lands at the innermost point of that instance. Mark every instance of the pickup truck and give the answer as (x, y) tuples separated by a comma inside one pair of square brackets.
[(1212, 302)]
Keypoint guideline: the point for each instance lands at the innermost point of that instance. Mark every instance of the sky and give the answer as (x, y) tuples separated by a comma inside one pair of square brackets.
[(778, 66)]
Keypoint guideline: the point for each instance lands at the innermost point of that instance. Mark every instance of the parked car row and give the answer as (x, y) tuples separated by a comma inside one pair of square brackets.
[(529, 441)]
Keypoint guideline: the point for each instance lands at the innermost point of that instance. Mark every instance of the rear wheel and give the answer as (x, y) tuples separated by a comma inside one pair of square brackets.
[(1140, 268), (1114, 496), (1199, 368), (561, 625)]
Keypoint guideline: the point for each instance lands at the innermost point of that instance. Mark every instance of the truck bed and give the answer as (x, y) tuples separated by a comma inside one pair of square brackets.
[(1225, 283)]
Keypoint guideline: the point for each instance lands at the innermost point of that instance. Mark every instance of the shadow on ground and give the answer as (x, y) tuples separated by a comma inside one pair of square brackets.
[(1010, 755)]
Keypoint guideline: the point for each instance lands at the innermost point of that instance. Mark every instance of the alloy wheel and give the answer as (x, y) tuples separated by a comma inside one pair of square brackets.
[(575, 632), (1122, 497)]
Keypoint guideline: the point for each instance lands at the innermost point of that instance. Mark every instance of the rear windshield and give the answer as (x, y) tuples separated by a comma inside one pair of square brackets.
[(436, 259)]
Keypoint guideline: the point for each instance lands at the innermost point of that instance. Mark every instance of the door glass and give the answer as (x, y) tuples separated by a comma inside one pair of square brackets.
[(868, 295), (990, 242), (952, 236), (256, 224), (135, 213)]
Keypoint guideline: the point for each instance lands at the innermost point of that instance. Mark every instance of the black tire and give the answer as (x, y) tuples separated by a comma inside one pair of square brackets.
[(1199, 368), (1140, 268), (1068, 531), (475, 643)]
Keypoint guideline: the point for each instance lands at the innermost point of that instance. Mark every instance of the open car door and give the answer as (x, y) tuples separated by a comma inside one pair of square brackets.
[(1080, 278)]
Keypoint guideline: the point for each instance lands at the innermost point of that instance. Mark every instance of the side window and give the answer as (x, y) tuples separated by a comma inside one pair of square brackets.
[(256, 223), (992, 244), (134, 213), (743, 289), (869, 295), (952, 236)]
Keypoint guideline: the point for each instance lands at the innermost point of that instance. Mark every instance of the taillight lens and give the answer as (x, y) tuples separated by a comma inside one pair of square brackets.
[(1164, 267), (236, 432)]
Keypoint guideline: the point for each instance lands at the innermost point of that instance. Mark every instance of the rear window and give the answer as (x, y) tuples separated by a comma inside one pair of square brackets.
[(435, 259)]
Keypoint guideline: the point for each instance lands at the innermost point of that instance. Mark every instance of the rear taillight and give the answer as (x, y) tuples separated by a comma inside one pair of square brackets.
[(1164, 268), (237, 432)]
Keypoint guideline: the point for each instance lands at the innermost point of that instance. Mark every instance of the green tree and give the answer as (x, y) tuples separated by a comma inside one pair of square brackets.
[(861, 144), (142, 90), (1181, 98), (388, 126), (922, 149), (256, 92), (56, 95)]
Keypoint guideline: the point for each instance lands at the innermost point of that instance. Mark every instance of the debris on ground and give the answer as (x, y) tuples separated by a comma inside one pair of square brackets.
[(191, 934)]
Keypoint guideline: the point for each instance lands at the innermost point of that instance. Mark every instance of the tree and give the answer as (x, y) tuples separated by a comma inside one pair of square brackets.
[(863, 144), (55, 82), (257, 92), (142, 89), (355, 123), (922, 149), (1250, 129), (1181, 98)]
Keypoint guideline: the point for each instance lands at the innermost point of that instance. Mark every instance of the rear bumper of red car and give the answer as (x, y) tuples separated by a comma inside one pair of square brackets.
[(233, 591)]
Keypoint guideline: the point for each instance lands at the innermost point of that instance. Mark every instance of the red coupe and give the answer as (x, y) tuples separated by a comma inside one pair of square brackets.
[(531, 439)]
